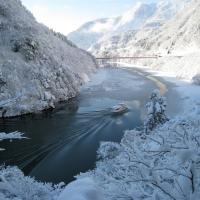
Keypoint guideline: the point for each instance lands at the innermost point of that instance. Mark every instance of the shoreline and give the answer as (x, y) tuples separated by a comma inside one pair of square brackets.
[(189, 93)]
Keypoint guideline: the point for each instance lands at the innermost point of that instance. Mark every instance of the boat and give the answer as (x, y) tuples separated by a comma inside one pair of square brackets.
[(120, 109)]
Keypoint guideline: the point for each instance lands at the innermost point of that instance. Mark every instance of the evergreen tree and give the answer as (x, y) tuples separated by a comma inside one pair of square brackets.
[(156, 109)]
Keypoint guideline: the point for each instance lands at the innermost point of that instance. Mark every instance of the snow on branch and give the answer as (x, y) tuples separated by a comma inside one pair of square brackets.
[(164, 165), (11, 136), (156, 111), (14, 185)]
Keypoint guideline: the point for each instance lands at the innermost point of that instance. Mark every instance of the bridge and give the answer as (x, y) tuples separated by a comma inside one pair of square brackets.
[(127, 57), (108, 59)]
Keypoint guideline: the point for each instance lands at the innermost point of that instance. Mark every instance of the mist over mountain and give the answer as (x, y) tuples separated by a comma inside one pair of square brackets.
[(136, 18)]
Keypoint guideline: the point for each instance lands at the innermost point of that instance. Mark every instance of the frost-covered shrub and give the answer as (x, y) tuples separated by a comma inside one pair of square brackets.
[(196, 79), (27, 47), (14, 185), (2, 81), (156, 109), (164, 166), (108, 150), (3, 11)]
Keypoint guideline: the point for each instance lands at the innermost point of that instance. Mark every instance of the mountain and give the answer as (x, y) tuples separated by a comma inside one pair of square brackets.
[(91, 32), (182, 34), (139, 16), (177, 41), (134, 18), (164, 11), (38, 67)]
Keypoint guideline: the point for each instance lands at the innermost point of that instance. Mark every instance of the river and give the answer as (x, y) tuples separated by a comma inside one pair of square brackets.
[(63, 142)]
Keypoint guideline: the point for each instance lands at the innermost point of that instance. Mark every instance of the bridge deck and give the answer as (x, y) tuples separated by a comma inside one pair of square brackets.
[(127, 57)]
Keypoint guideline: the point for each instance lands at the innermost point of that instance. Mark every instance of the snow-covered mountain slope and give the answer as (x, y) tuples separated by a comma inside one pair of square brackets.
[(139, 16), (91, 32), (38, 67), (182, 34), (164, 11), (180, 37), (178, 41), (135, 18)]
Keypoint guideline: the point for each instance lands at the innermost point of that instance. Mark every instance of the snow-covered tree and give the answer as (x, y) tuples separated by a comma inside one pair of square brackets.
[(164, 165), (196, 79), (156, 109), (15, 186)]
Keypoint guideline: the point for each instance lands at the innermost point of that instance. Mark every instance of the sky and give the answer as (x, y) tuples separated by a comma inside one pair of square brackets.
[(66, 16)]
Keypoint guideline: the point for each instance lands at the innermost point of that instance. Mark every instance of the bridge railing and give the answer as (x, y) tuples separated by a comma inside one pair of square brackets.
[(107, 60)]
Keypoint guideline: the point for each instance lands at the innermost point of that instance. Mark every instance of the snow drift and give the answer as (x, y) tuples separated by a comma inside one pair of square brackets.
[(38, 66)]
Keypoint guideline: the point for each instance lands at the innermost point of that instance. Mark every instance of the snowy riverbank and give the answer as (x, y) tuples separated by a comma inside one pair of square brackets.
[(189, 92), (162, 165)]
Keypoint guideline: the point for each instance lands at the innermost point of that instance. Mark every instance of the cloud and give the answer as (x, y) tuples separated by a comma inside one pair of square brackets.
[(68, 15)]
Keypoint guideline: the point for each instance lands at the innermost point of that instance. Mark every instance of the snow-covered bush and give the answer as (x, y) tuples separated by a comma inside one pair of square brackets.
[(196, 79), (164, 166), (108, 150), (156, 109), (15, 186), (27, 47)]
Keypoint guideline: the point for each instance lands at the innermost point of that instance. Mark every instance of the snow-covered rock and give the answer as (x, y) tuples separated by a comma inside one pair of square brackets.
[(38, 67)]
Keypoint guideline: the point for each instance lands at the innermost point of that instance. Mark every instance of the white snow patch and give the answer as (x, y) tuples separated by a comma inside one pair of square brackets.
[(12, 135), (82, 189)]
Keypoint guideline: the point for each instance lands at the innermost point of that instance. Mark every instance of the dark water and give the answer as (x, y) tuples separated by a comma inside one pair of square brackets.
[(64, 142)]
